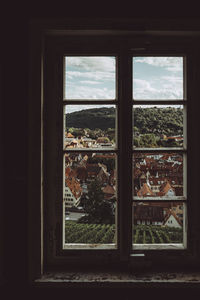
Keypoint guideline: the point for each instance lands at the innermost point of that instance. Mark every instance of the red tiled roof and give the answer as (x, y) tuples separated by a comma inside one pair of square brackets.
[(145, 191), (165, 187), (69, 135), (67, 171), (74, 186), (108, 189), (148, 213)]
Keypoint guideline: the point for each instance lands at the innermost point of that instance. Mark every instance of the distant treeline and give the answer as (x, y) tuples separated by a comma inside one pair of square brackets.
[(95, 118), (167, 121)]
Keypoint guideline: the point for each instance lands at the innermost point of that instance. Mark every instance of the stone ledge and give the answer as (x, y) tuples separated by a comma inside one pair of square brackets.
[(120, 279)]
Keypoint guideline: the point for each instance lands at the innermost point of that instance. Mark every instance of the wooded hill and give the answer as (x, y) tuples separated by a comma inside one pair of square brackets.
[(167, 120), (101, 118)]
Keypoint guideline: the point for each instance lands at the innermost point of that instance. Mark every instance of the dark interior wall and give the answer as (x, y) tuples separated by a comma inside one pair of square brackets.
[(15, 100), (14, 134)]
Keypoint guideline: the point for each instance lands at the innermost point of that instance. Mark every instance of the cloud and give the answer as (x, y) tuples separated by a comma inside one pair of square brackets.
[(173, 79), (166, 88), (95, 63), (90, 78), (90, 82), (85, 92), (95, 75), (172, 64), (143, 90)]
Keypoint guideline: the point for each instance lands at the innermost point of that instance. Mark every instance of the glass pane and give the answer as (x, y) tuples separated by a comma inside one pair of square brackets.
[(90, 198), (89, 77), (89, 126), (157, 78), (157, 126), (158, 222), (158, 174)]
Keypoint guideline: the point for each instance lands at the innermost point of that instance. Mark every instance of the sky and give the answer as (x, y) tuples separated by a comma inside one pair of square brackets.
[(90, 77), (158, 78), (93, 77)]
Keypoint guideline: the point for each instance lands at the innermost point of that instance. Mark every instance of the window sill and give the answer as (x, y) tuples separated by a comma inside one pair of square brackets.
[(119, 280)]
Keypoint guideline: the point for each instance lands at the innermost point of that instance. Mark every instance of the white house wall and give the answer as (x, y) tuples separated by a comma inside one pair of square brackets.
[(172, 222)]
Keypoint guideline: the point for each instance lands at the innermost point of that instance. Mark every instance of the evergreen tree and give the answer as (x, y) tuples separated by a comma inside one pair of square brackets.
[(98, 210)]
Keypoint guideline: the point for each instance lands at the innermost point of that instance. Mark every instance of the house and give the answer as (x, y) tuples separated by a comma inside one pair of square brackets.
[(109, 192), (172, 220), (69, 135), (104, 142), (103, 175), (148, 215), (145, 191), (88, 142), (73, 192), (162, 179), (178, 210), (166, 190), (70, 143), (98, 171), (156, 183)]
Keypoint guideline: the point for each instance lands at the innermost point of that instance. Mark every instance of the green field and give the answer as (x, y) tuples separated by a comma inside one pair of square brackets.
[(105, 234)]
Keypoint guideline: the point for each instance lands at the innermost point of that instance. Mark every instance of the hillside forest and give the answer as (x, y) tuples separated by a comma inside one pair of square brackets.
[(152, 126)]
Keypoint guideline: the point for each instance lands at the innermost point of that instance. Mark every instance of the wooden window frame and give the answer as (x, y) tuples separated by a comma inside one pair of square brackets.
[(181, 150), (114, 150), (45, 246)]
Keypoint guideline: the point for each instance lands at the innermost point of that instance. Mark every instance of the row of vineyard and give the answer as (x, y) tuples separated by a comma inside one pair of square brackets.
[(105, 234), (152, 234)]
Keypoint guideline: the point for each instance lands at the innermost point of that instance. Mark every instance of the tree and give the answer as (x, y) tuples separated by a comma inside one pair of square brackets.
[(146, 140), (149, 140), (98, 210)]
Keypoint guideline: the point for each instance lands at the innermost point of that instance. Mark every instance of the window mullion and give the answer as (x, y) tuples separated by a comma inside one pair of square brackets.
[(125, 155)]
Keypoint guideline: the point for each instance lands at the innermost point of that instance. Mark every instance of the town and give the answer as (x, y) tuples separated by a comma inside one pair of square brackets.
[(82, 169), (154, 175), (157, 176), (87, 142)]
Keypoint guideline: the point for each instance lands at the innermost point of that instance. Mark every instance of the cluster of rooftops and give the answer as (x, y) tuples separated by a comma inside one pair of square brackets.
[(86, 142), (154, 176), (158, 175)]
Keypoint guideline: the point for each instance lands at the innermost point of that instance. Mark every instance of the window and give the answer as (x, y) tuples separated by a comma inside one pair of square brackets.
[(116, 120), (92, 100), (159, 151), (90, 151), (91, 79)]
